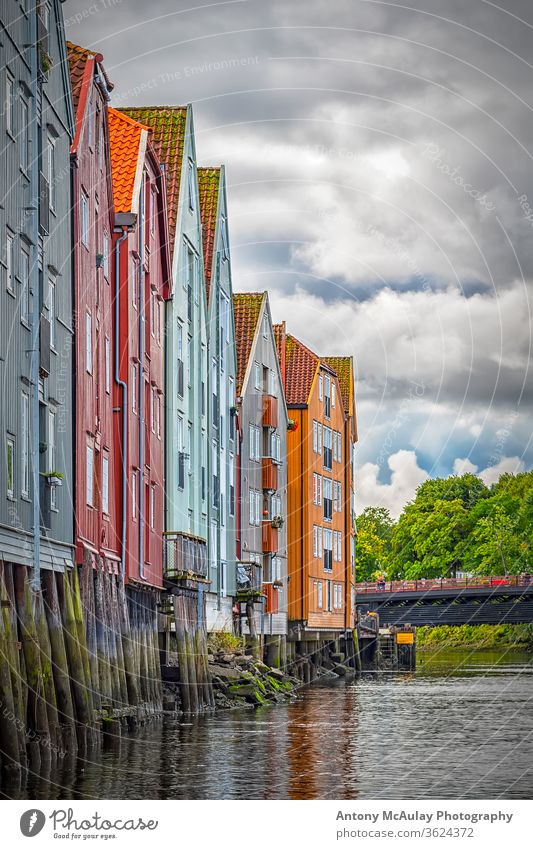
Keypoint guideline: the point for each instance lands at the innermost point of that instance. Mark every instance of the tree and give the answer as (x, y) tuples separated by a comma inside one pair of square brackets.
[(374, 533), (495, 546)]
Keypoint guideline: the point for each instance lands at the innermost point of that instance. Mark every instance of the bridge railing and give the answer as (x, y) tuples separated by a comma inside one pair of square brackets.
[(426, 584)]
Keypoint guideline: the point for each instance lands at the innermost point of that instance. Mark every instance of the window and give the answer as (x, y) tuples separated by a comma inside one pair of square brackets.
[(328, 549), (105, 483), (190, 447), (159, 320), (25, 284), (152, 502), (224, 237), (320, 387), (327, 396), (337, 446), (179, 345), (317, 541), (319, 596), (88, 342), (258, 383), (107, 355), (328, 442), (134, 385), (190, 360), (51, 310), (332, 394), (328, 595), (337, 546), (158, 418), (317, 488), (275, 447), (255, 442), (10, 464), (276, 569), (319, 438), (315, 436), (25, 445), (52, 178), (10, 262), (134, 495), (89, 469), (152, 211), (265, 325), (328, 498), (180, 436), (84, 219), (106, 256), (337, 596), (52, 452), (10, 104), (255, 507), (337, 496), (190, 185), (135, 273), (24, 141)]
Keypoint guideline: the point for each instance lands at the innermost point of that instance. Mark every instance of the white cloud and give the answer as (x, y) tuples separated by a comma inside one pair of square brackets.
[(511, 465), (464, 467), (406, 476)]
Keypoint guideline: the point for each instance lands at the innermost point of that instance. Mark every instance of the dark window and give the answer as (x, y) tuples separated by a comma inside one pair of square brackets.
[(181, 470), (328, 560)]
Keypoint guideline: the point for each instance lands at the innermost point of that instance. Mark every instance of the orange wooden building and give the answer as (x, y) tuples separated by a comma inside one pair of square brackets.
[(320, 441)]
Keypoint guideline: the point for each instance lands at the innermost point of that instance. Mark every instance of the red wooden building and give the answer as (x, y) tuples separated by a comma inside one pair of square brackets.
[(142, 269), (94, 491)]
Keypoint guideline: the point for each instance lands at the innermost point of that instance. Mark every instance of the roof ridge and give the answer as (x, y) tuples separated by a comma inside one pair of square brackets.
[(127, 119)]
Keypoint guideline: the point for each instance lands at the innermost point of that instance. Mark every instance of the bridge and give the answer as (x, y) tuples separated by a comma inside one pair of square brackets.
[(492, 600)]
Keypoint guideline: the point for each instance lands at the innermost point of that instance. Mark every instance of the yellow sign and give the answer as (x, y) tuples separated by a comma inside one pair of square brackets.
[(405, 638)]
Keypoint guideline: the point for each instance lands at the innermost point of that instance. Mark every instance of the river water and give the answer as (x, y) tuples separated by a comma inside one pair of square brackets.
[(460, 727)]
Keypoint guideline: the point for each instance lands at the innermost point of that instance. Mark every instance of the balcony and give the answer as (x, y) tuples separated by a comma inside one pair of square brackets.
[(270, 474), (270, 411), (185, 557), (270, 538), (249, 578), (271, 598)]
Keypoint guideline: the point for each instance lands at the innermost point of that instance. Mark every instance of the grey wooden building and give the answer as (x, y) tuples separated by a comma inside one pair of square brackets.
[(36, 339)]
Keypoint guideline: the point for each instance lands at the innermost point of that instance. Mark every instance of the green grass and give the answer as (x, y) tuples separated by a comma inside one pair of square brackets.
[(475, 636)]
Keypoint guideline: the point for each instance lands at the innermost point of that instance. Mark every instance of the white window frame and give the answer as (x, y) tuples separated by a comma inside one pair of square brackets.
[(333, 393), (10, 261), (51, 451), (24, 138), (51, 163), (107, 362), (24, 273), (89, 474), (88, 342), (134, 505), (134, 385), (319, 595), (25, 446), (258, 379), (10, 104), (105, 483), (152, 506), (84, 218), (51, 309), (106, 254), (320, 387), (10, 450)]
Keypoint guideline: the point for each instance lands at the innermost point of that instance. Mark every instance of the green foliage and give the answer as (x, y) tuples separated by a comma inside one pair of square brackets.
[(373, 545), (458, 524), (475, 636), (218, 641)]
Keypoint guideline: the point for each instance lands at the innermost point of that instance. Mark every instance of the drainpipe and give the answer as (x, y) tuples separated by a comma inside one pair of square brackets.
[(124, 389), (33, 211), (140, 494)]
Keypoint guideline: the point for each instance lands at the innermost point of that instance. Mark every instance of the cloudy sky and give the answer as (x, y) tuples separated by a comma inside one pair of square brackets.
[(380, 167)]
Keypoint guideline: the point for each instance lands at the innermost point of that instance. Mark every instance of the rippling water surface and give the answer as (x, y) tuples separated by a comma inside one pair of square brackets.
[(460, 727)]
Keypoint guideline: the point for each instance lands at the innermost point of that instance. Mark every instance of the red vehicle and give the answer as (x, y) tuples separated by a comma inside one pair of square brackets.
[(94, 492), (142, 269)]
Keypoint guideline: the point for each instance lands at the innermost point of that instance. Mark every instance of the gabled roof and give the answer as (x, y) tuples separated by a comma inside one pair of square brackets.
[(208, 187), (167, 124), (343, 367), (128, 141), (301, 365), (77, 60), (247, 309)]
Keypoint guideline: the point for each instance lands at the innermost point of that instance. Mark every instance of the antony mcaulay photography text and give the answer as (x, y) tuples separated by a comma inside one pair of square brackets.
[(266, 486)]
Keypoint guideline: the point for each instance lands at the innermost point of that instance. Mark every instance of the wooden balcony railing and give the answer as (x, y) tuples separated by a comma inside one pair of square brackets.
[(270, 538), (270, 411), (426, 584), (270, 474), (185, 556)]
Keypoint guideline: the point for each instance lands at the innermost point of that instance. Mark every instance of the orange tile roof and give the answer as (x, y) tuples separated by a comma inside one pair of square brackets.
[(300, 369), (247, 308), (343, 367), (167, 124), (125, 139), (208, 187)]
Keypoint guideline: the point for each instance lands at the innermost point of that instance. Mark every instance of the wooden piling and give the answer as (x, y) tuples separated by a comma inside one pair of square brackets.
[(10, 748), (60, 668)]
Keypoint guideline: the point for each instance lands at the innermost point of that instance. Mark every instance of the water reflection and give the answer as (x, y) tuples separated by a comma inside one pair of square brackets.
[(461, 727)]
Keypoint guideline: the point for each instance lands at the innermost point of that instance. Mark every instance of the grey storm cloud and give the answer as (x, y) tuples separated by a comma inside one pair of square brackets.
[(380, 186)]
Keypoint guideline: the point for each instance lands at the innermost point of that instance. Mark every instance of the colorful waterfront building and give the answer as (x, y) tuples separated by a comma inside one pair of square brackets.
[(320, 486), (95, 496), (36, 330), (262, 541), (186, 408), (221, 398), (142, 277)]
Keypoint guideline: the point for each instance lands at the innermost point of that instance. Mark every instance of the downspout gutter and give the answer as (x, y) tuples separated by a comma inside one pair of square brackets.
[(124, 390), (140, 494), (33, 210)]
